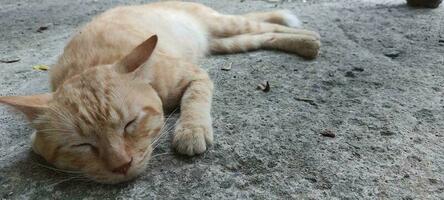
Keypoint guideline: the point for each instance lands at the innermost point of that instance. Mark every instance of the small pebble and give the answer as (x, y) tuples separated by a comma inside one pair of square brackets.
[(44, 27), (227, 67), (350, 74), (358, 69), (328, 133), (387, 132), (392, 54)]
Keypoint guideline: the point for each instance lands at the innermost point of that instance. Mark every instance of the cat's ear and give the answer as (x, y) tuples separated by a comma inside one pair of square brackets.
[(137, 56), (32, 106)]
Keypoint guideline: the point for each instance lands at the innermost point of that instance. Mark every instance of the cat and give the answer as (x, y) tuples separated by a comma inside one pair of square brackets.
[(127, 67)]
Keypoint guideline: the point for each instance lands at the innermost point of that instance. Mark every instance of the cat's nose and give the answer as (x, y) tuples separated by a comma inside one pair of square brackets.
[(124, 168)]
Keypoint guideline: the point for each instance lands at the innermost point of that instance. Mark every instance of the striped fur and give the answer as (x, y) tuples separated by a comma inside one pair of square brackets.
[(116, 78)]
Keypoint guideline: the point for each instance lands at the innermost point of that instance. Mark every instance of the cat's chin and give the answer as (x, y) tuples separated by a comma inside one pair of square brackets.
[(112, 178), (134, 172)]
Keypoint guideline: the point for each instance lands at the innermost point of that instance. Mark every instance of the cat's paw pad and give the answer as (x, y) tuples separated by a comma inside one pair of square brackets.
[(191, 139)]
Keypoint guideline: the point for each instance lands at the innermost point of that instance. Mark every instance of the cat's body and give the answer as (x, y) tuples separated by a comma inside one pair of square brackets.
[(115, 33), (112, 84)]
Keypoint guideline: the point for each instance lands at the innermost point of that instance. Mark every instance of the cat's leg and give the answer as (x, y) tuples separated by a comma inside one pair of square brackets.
[(221, 25), (231, 25), (282, 17), (194, 129), (303, 45)]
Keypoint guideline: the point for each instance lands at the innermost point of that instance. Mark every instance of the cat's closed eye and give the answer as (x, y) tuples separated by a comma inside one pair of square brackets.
[(85, 147), (131, 126)]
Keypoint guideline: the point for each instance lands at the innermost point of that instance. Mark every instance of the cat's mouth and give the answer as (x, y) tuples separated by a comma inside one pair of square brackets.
[(114, 178), (135, 170)]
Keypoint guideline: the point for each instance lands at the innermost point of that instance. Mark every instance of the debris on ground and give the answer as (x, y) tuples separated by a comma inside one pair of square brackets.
[(350, 74), (309, 101), (424, 3), (227, 67), (387, 132), (264, 86), (328, 133), (41, 67), (9, 60), (358, 69), (43, 27), (392, 54)]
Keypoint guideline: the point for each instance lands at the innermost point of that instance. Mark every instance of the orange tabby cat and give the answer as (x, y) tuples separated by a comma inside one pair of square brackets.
[(118, 75)]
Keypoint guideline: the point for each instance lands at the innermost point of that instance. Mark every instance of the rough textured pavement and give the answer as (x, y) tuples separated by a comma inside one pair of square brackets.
[(377, 85)]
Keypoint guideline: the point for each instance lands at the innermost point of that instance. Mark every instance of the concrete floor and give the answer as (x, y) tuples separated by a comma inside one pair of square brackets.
[(377, 84)]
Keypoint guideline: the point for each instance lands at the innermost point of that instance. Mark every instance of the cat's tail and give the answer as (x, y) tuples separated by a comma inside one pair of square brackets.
[(282, 17), (290, 19)]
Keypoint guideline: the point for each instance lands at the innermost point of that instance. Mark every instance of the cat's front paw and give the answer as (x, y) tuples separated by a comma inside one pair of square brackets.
[(310, 47), (192, 139)]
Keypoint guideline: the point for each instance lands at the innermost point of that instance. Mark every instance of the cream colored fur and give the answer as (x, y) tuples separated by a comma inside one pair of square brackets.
[(129, 65)]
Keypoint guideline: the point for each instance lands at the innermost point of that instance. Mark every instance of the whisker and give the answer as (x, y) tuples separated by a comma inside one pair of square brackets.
[(165, 126), (157, 142), (168, 118), (169, 128), (40, 121), (67, 120), (62, 181), (173, 112), (162, 134), (162, 154), (54, 129), (61, 115), (57, 170)]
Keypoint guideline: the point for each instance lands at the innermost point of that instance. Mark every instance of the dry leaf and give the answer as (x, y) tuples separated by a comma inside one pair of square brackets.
[(264, 86), (41, 67), (10, 60), (44, 27), (328, 133)]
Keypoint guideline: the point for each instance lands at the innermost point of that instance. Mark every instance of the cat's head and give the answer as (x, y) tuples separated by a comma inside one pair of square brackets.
[(102, 122)]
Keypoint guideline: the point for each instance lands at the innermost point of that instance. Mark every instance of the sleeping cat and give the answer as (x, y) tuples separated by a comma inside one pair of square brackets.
[(119, 74)]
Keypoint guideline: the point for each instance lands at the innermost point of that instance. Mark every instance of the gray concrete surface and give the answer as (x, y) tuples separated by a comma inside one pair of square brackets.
[(378, 85)]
